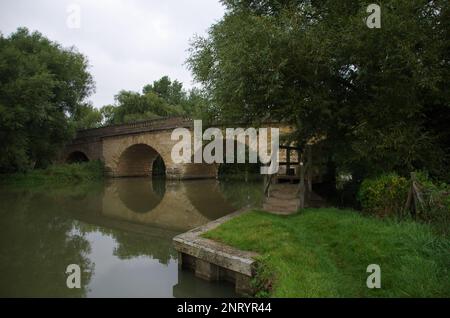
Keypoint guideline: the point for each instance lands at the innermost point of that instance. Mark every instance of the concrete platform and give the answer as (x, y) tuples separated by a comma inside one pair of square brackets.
[(214, 261)]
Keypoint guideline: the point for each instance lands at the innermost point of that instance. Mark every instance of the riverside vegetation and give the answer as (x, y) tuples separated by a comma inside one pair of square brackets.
[(325, 253), (56, 175)]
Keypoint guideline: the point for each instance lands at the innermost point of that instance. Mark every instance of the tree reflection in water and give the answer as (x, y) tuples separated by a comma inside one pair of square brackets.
[(37, 244), (45, 230)]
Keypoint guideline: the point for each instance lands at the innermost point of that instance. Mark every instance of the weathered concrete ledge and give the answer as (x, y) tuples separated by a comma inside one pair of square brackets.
[(213, 261)]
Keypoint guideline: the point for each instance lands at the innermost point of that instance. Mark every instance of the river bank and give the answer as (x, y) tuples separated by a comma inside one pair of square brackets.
[(55, 175), (326, 253)]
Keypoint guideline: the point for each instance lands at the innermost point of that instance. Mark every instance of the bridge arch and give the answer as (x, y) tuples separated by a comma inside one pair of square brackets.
[(76, 157), (138, 160)]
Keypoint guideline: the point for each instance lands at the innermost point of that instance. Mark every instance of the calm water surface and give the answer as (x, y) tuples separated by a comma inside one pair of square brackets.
[(119, 231)]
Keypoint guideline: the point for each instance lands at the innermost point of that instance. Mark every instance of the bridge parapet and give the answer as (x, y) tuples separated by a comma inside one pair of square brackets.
[(136, 127)]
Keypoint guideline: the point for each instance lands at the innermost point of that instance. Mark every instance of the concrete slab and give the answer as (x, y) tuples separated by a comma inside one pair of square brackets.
[(212, 260)]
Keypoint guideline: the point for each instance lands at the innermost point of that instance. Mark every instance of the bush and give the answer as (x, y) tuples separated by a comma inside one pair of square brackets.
[(384, 196), (387, 195), (434, 204), (57, 174), (86, 171)]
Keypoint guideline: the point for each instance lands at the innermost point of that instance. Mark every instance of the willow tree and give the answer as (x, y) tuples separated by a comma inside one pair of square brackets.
[(379, 96)]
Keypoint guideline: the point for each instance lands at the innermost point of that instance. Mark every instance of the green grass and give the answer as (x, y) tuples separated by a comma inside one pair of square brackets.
[(62, 174), (325, 253)]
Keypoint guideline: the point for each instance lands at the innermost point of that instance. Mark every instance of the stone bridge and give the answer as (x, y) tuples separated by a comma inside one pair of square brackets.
[(132, 149)]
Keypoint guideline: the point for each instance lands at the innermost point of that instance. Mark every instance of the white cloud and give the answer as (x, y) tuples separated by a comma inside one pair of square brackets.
[(128, 43)]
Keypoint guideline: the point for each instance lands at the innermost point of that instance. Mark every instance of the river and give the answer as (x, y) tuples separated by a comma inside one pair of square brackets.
[(119, 231)]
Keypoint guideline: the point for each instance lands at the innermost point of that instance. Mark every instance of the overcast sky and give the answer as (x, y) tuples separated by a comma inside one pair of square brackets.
[(129, 43)]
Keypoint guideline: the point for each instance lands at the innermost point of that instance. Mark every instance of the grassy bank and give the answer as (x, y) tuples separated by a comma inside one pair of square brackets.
[(325, 253), (63, 174)]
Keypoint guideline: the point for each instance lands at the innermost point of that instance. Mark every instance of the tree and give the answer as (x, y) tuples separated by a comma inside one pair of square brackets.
[(133, 106), (163, 98), (86, 116), (378, 96), (197, 106), (42, 86), (171, 92)]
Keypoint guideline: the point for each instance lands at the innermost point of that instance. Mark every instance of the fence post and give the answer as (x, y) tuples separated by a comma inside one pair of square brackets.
[(309, 168), (301, 188)]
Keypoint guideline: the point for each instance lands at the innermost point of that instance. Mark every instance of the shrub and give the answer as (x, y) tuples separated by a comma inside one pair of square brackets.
[(57, 174), (384, 196), (76, 172), (387, 195), (264, 278), (431, 202)]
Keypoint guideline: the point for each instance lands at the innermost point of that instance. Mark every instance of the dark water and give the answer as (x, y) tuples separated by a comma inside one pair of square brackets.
[(119, 232)]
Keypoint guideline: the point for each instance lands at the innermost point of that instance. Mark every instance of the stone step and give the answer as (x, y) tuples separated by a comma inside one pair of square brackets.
[(282, 201), (279, 210), (281, 207), (283, 195), (284, 191)]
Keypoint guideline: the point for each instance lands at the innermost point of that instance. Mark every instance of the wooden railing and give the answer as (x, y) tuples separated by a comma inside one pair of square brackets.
[(288, 163), (304, 172)]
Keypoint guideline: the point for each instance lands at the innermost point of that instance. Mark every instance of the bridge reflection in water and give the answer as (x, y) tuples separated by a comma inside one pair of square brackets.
[(165, 204), (119, 231), (143, 214)]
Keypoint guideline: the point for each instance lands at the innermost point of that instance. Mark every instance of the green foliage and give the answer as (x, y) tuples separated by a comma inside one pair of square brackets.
[(163, 98), (384, 195), (171, 92), (379, 96), (434, 207), (387, 195), (42, 86), (264, 279), (57, 175), (325, 253), (86, 116)]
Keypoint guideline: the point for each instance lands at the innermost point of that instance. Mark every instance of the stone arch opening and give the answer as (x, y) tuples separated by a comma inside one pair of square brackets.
[(77, 157), (140, 160)]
